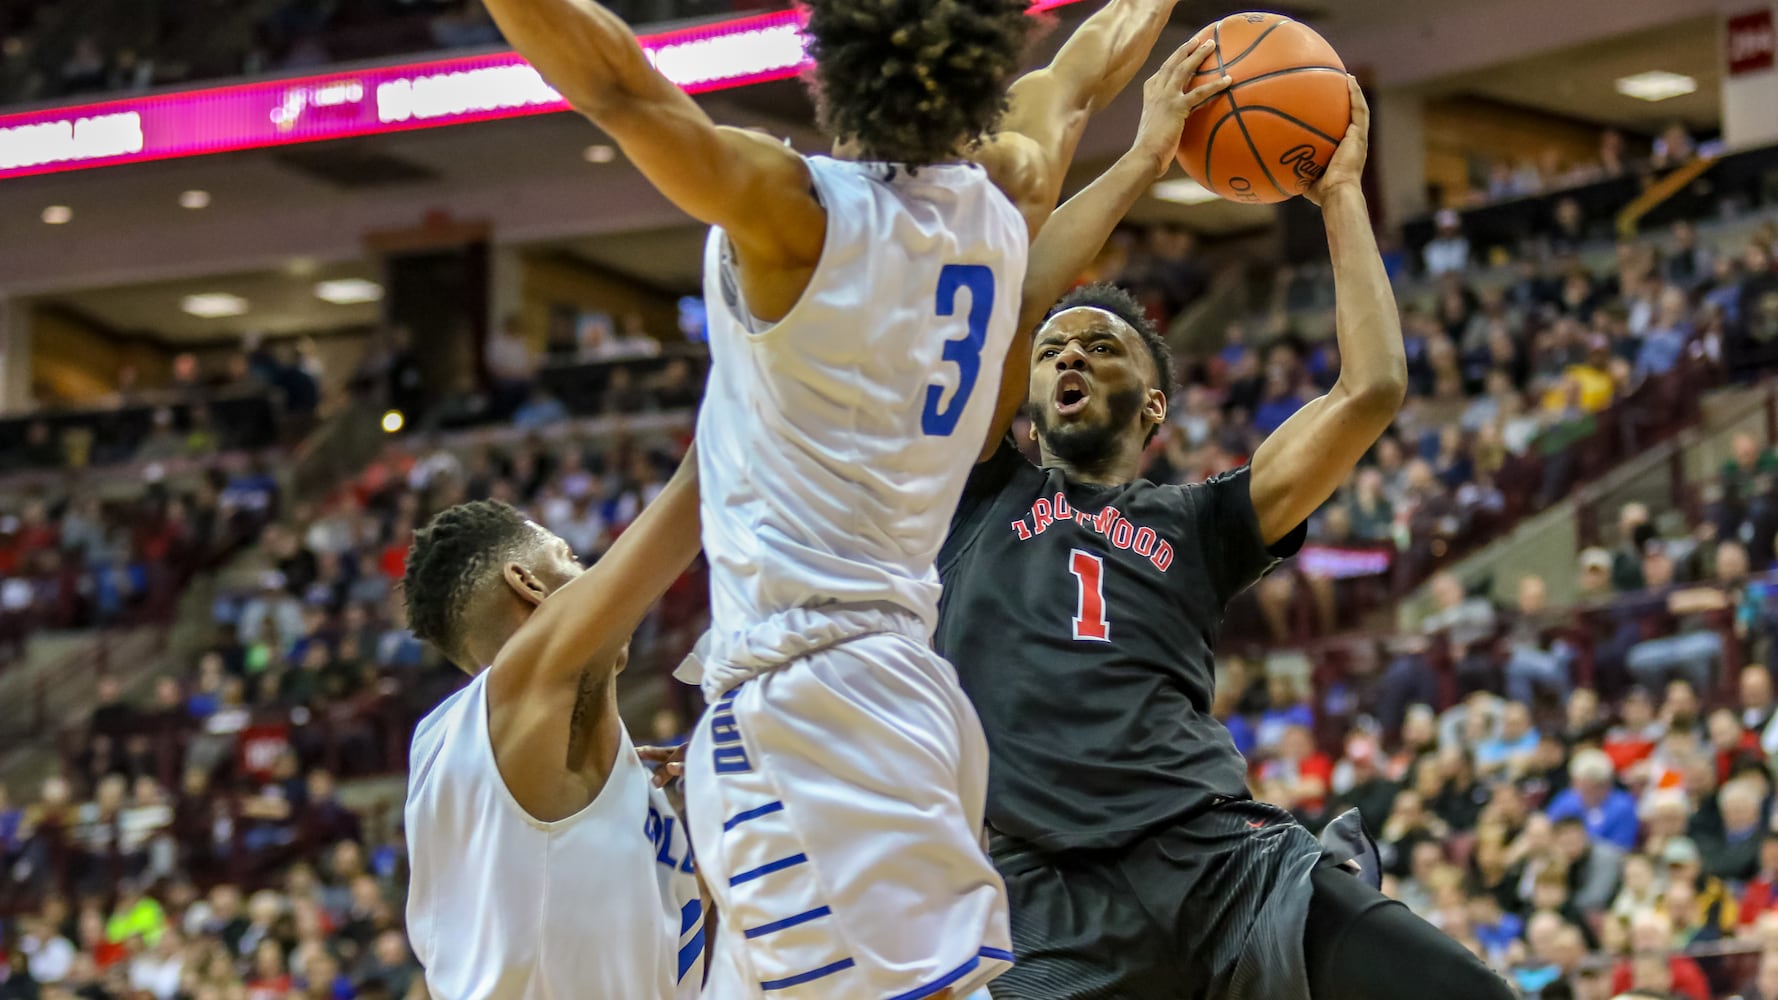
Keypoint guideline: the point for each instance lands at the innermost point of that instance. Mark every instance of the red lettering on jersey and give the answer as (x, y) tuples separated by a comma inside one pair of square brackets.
[(1105, 520), (1145, 541), (1040, 513), (1163, 556), (1121, 533), (1024, 532), (1083, 519), (1063, 511)]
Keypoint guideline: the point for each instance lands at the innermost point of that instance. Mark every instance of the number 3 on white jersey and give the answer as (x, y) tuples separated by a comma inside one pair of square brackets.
[(965, 353)]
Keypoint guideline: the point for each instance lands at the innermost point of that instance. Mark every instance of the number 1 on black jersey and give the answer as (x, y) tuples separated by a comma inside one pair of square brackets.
[(1089, 608)]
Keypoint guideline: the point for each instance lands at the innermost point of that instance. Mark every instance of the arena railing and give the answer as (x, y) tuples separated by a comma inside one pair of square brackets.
[(242, 421), (1742, 181)]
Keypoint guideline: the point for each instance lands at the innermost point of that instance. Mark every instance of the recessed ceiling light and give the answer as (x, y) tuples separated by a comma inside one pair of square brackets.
[(58, 215), (214, 305), (195, 199), (349, 291), (599, 153), (1656, 85), (1183, 191)]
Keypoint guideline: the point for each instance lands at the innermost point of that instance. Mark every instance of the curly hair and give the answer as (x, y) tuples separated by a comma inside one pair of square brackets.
[(914, 82), (450, 559)]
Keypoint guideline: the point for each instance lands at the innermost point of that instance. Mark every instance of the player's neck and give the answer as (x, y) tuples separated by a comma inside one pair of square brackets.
[(1115, 469)]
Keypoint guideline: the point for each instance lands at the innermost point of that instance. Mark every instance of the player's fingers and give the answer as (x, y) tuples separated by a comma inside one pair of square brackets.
[(1361, 108), (1185, 60), (660, 755), (1197, 96)]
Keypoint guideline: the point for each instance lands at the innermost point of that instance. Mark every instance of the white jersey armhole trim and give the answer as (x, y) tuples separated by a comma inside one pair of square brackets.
[(731, 271), (547, 826)]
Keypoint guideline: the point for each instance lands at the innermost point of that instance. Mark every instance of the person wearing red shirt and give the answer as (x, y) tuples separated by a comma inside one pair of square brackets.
[(1302, 773), (1652, 934), (1635, 739), (1761, 893)]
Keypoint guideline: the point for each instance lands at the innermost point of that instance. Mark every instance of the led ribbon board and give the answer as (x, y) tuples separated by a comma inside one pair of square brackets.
[(344, 105)]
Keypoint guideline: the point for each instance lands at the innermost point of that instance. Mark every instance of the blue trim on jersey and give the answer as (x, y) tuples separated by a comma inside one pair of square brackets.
[(689, 914), (807, 977), (741, 817), (777, 925), (768, 868), (690, 952), (955, 974)]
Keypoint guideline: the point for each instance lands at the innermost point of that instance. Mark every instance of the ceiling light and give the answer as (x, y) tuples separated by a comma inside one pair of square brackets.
[(214, 305), (194, 199), (599, 153), (1656, 85), (349, 291), (58, 215), (1183, 191)]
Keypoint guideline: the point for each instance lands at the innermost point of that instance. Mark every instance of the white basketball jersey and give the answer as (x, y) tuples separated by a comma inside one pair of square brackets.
[(833, 445), (501, 906)]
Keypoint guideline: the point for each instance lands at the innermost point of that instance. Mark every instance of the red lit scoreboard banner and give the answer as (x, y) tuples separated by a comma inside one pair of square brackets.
[(456, 91)]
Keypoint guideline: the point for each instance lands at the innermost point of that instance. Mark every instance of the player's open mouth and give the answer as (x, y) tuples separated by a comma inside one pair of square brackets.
[(1072, 394)]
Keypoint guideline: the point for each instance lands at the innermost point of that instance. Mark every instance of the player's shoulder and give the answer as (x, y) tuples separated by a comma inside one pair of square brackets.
[(1005, 469), (1214, 496), (1018, 166), (439, 727)]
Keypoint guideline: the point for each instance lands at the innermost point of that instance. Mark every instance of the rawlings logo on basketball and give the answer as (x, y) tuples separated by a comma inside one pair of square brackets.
[(1301, 161)]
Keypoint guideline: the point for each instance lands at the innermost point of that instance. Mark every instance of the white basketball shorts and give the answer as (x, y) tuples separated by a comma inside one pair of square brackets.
[(836, 804)]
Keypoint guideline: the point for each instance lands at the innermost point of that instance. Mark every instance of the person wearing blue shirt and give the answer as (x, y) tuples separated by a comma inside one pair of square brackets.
[(1609, 812)]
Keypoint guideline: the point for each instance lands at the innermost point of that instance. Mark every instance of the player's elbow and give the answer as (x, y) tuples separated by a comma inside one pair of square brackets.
[(1377, 390)]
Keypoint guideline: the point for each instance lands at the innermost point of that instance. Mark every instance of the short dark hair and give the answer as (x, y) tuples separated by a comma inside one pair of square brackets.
[(1110, 298), (452, 556), (913, 81)]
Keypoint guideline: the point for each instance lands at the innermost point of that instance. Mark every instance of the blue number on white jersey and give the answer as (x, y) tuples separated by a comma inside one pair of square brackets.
[(966, 353)]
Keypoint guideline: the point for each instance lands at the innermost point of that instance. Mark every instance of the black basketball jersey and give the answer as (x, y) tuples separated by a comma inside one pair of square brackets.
[(1081, 620)]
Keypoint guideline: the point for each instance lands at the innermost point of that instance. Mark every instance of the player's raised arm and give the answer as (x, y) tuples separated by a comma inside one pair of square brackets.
[(584, 625), (1300, 465), (1074, 235), (1047, 109), (755, 188)]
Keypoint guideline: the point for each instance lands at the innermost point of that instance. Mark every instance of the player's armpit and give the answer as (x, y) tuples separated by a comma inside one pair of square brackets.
[(753, 187)]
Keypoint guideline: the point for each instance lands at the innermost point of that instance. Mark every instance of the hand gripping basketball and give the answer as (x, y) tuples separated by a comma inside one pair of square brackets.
[(1347, 166), (1166, 102), (1271, 134)]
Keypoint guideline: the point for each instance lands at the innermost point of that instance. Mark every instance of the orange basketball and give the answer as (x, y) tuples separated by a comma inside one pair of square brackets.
[(1270, 135)]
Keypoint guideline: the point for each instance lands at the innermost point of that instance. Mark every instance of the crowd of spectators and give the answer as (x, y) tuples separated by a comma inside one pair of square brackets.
[(1581, 847), (150, 915), (82, 561)]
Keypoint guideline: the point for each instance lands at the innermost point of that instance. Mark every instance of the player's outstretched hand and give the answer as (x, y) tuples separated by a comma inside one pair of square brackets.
[(1166, 102), (671, 761), (1346, 169)]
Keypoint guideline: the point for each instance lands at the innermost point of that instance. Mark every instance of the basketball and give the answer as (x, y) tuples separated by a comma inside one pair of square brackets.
[(1270, 135)]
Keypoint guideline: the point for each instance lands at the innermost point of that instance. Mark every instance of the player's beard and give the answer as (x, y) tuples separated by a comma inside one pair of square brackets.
[(1087, 443)]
